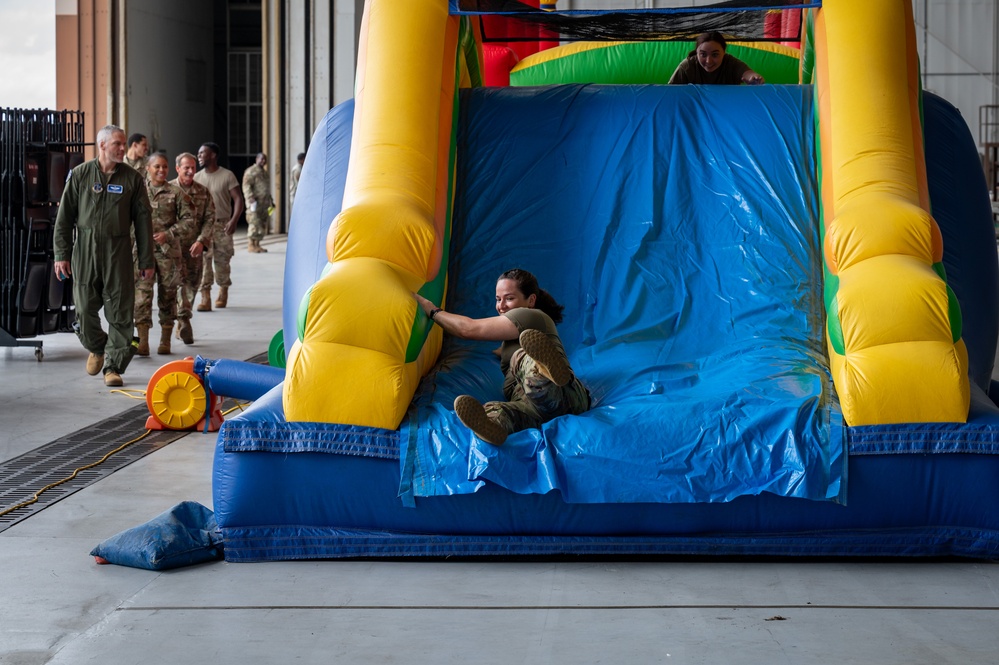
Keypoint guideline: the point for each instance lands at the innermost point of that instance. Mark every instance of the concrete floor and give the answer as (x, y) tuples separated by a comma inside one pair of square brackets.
[(58, 606)]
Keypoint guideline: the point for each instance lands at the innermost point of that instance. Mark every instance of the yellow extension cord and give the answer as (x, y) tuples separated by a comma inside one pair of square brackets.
[(126, 393), (70, 477)]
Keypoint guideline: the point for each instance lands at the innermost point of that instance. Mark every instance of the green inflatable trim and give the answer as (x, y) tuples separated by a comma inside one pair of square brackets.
[(830, 282), (303, 312), (434, 290), (467, 40), (835, 328), (808, 49), (645, 62), (832, 314), (954, 314), (275, 351)]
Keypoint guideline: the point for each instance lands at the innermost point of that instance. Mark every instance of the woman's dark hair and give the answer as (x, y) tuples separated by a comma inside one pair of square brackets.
[(713, 36), (528, 285)]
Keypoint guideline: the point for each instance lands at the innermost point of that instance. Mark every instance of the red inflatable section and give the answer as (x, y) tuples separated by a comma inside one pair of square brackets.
[(498, 61), (519, 41), (783, 24)]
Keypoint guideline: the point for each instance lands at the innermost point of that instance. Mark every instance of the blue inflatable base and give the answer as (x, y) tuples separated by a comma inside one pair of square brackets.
[(294, 543), (915, 490), (310, 490)]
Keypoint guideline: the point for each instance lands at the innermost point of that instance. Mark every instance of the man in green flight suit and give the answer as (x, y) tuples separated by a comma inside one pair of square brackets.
[(103, 203)]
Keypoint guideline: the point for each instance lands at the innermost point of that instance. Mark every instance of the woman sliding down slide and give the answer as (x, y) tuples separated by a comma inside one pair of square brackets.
[(538, 384)]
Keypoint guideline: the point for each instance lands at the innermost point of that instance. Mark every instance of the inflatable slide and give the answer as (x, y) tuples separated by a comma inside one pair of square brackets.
[(786, 316)]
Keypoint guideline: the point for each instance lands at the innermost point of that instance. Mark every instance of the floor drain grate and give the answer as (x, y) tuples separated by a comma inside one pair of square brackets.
[(22, 476)]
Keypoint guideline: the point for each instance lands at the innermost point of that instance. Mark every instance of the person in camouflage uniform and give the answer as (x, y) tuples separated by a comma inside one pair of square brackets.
[(171, 222), (198, 200), (294, 178), (228, 199), (259, 204), (137, 155)]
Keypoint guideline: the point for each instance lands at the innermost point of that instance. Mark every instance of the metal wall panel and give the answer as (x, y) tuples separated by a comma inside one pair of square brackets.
[(957, 49), (168, 88)]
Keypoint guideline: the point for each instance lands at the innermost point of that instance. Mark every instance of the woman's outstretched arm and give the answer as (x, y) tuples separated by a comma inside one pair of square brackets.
[(492, 329)]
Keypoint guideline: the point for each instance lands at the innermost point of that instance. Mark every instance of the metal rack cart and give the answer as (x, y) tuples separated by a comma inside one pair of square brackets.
[(37, 150)]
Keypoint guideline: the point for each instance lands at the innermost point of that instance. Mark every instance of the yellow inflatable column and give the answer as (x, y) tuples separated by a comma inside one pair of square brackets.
[(350, 366), (893, 323)]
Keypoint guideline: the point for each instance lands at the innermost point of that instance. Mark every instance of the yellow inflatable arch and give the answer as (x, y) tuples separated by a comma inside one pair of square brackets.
[(893, 324)]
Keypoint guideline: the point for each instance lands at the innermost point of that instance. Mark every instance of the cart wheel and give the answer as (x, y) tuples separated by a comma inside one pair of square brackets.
[(38, 354)]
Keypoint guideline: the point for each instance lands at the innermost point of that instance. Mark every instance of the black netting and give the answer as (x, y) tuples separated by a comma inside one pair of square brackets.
[(742, 20)]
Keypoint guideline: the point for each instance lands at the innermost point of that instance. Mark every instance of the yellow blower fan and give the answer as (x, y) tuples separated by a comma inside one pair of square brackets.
[(178, 400)]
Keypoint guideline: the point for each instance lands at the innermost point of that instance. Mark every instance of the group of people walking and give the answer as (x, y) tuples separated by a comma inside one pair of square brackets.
[(132, 233), (123, 227)]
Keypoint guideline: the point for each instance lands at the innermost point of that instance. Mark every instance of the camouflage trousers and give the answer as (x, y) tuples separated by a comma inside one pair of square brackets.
[(535, 399), (219, 257), (259, 221), (166, 278), (191, 269)]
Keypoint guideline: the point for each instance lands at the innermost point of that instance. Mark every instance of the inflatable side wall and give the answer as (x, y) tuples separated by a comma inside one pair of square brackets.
[(894, 325), (642, 62), (363, 342)]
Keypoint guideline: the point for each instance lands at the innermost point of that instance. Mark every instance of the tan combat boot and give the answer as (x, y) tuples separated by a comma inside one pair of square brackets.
[(223, 298), (251, 246), (95, 361), (165, 332), (260, 248), (143, 348), (184, 331), (206, 300)]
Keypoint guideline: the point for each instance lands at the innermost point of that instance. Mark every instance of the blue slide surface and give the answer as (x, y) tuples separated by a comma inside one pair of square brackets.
[(693, 295)]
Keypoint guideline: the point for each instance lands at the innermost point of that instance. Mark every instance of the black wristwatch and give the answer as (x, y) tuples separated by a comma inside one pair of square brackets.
[(434, 312)]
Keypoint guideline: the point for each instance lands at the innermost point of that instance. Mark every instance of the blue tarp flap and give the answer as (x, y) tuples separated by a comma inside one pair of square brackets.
[(678, 225)]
